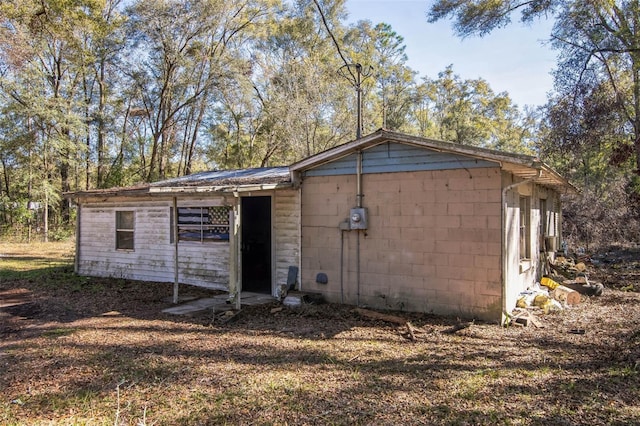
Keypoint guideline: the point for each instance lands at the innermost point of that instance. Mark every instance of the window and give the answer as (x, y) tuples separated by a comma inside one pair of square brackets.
[(203, 224), (544, 226), (525, 228), (549, 240), (544, 218), (124, 230), (552, 221)]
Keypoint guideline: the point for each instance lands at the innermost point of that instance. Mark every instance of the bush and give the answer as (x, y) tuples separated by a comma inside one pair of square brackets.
[(594, 220)]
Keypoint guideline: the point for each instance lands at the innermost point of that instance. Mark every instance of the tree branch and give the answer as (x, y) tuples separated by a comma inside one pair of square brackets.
[(335, 42)]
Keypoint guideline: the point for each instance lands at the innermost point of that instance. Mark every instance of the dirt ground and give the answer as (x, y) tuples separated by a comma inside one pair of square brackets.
[(77, 350)]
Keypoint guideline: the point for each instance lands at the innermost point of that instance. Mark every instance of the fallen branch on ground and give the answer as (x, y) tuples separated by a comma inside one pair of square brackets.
[(380, 316), (458, 327)]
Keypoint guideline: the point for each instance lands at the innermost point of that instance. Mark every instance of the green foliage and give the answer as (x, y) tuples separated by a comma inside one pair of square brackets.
[(591, 130), (469, 112), (16, 211), (61, 233), (587, 138), (41, 270), (103, 93), (480, 17)]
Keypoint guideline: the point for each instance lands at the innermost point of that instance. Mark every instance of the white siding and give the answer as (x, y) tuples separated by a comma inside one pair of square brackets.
[(153, 257), (204, 264), (515, 280), (522, 275), (286, 226)]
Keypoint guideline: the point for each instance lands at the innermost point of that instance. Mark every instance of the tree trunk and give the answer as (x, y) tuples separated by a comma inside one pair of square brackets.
[(194, 136), (101, 127), (45, 218), (151, 174), (65, 186), (5, 173)]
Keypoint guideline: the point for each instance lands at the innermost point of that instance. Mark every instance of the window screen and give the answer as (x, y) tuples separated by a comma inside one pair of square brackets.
[(125, 230), (525, 228)]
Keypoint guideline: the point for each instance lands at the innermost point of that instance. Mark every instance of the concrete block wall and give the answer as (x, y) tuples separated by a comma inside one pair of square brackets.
[(433, 243)]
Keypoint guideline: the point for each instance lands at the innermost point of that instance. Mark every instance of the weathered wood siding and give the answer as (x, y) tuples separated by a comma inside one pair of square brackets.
[(153, 257), (205, 264), (521, 274), (286, 226)]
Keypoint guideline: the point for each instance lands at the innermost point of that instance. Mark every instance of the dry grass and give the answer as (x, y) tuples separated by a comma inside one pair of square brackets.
[(95, 351)]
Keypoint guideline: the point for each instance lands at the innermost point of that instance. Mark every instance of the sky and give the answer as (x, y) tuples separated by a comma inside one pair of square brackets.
[(512, 59)]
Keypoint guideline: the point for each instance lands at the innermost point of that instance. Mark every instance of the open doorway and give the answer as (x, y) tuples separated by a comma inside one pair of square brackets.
[(256, 244)]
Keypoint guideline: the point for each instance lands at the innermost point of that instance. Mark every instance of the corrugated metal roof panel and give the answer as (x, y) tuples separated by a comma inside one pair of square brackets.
[(257, 176), (212, 181)]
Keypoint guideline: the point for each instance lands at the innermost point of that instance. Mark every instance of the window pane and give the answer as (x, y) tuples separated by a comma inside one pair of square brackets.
[(525, 228), (219, 215), (124, 230), (204, 224), (189, 235), (124, 220), (217, 233), (124, 240)]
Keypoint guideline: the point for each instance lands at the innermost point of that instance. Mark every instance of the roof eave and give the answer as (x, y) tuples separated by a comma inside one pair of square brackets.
[(114, 192), (521, 165), (542, 174), (185, 190), (219, 188), (383, 136)]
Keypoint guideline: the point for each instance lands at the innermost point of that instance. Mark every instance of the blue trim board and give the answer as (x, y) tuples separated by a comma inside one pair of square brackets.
[(395, 157)]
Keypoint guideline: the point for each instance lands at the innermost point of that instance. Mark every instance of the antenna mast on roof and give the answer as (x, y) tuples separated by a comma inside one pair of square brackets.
[(357, 83), (356, 79)]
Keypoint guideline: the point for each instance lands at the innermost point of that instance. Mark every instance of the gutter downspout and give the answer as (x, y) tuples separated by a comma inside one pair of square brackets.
[(76, 263), (176, 271), (505, 313), (342, 266), (235, 259), (359, 196)]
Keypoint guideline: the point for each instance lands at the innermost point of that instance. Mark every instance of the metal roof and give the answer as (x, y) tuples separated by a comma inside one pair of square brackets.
[(263, 175), (213, 181)]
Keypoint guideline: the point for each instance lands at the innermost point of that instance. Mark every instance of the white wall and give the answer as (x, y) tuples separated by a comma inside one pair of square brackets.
[(286, 225), (153, 257), (522, 275)]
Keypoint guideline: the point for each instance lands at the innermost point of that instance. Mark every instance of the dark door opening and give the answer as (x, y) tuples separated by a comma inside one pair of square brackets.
[(256, 244)]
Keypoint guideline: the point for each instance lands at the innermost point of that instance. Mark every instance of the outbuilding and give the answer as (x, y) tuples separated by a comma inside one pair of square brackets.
[(388, 221)]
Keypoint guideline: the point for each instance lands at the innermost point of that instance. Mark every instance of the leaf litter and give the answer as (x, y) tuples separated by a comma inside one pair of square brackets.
[(100, 351)]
